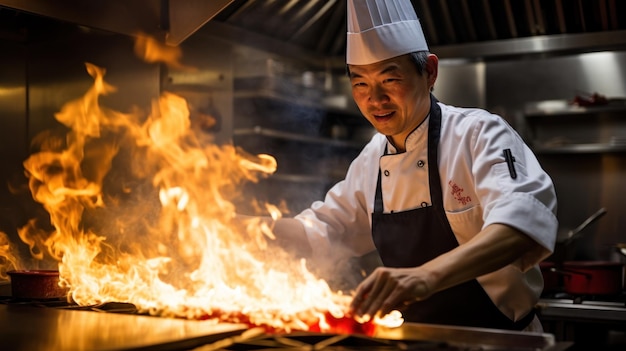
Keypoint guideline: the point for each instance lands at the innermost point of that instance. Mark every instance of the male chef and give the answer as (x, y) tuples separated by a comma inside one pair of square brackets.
[(452, 200)]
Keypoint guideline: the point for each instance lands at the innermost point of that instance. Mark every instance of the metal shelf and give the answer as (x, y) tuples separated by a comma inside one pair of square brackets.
[(565, 108)]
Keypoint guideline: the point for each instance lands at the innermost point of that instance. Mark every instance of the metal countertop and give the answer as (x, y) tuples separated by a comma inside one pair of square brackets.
[(28, 328)]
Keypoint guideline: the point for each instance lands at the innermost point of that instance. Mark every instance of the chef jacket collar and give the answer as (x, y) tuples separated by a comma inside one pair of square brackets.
[(413, 139)]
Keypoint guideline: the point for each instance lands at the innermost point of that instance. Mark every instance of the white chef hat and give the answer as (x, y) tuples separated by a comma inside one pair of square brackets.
[(382, 29)]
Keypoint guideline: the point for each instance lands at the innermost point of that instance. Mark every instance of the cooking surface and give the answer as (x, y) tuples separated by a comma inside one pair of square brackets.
[(28, 328), (35, 328), (55, 324), (466, 338)]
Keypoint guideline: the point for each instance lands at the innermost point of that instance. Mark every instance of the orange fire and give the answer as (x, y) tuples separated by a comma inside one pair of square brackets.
[(142, 212)]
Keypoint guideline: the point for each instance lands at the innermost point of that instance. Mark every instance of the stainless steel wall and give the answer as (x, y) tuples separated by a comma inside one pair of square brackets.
[(36, 80), (13, 126), (584, 181), (206, 82)]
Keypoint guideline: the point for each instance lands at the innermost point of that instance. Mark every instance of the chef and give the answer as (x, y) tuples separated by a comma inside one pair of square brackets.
[(451, 199)]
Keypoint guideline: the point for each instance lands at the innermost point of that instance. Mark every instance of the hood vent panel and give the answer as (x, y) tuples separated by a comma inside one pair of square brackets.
[(453, 28), (169, 21)]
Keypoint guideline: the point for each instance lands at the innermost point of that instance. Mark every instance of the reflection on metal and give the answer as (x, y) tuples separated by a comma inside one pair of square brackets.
[(549, 44), (168, 21), (72, 330), (186, 17), (471, 338), (603, 66), (486, 29)]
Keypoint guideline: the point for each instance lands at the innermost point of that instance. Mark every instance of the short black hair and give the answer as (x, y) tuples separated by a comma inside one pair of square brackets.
[(420, 58)]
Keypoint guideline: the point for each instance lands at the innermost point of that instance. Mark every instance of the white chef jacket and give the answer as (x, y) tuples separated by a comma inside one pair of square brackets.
[(478, 190)]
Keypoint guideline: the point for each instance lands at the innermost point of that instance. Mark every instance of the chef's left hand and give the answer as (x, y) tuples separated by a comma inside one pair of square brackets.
[(388, 289)]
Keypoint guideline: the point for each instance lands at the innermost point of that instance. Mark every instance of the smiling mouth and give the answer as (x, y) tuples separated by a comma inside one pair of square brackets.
[(381, 117)]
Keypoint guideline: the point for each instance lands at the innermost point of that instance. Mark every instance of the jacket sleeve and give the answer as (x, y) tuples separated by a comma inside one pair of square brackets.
[(340, 225)]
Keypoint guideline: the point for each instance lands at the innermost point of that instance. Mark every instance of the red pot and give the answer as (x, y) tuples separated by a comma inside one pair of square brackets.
[(592, 277), (36, 284)]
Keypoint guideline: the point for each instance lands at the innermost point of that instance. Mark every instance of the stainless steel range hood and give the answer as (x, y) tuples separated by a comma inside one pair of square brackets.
[(169, 21)]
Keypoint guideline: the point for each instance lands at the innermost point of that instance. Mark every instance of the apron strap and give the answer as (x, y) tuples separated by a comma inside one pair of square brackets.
[(378, 197)]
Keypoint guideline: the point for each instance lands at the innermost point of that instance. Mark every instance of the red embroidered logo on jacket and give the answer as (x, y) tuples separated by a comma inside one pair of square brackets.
[(457, 193)]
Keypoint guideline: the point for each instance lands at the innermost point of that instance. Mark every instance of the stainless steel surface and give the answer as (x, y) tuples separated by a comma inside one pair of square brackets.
[(549, 44), (588, 324), (588, 171), (186, 17), (26, 328), (486, 339), (452, 28), (169, 21), (14, 145), (60, 329), (585, 310)]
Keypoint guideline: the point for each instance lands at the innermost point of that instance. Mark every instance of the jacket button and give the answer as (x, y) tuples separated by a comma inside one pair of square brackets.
[(386, 172), (424, 204), (420, 163)]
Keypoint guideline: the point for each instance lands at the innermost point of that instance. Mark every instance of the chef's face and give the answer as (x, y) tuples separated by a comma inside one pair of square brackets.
[(393, 96)]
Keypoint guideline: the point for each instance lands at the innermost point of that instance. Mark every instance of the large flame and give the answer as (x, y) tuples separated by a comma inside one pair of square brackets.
[(143, 213)]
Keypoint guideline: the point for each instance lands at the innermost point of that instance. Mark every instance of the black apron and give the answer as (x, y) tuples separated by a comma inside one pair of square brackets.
[(411, 238)]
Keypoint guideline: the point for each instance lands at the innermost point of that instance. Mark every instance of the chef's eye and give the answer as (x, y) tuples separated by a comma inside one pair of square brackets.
[(390, 80)]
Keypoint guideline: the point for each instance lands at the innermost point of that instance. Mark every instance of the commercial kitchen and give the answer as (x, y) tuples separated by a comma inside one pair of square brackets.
[(268, 77)]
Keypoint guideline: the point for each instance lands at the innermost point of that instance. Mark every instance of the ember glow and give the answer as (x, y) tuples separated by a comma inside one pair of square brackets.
[(142, 212)]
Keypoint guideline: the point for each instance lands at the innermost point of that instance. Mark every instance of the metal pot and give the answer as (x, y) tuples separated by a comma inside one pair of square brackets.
[(592, 277), (36, 284)]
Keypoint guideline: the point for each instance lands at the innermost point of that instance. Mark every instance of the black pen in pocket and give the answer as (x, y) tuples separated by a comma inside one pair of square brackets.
[(508, 156)]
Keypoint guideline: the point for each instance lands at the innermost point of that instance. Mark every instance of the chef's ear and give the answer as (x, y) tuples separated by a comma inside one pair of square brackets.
[(432, 69)]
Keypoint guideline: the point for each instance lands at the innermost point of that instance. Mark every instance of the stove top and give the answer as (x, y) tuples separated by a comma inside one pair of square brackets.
[(56, 324), (602, 308)]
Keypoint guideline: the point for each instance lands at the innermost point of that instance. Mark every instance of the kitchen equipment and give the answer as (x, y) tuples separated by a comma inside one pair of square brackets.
[(29, 328), (566, 237), (589, 324), (64, 330), (564, 250), (36, 284), (592, 277)]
